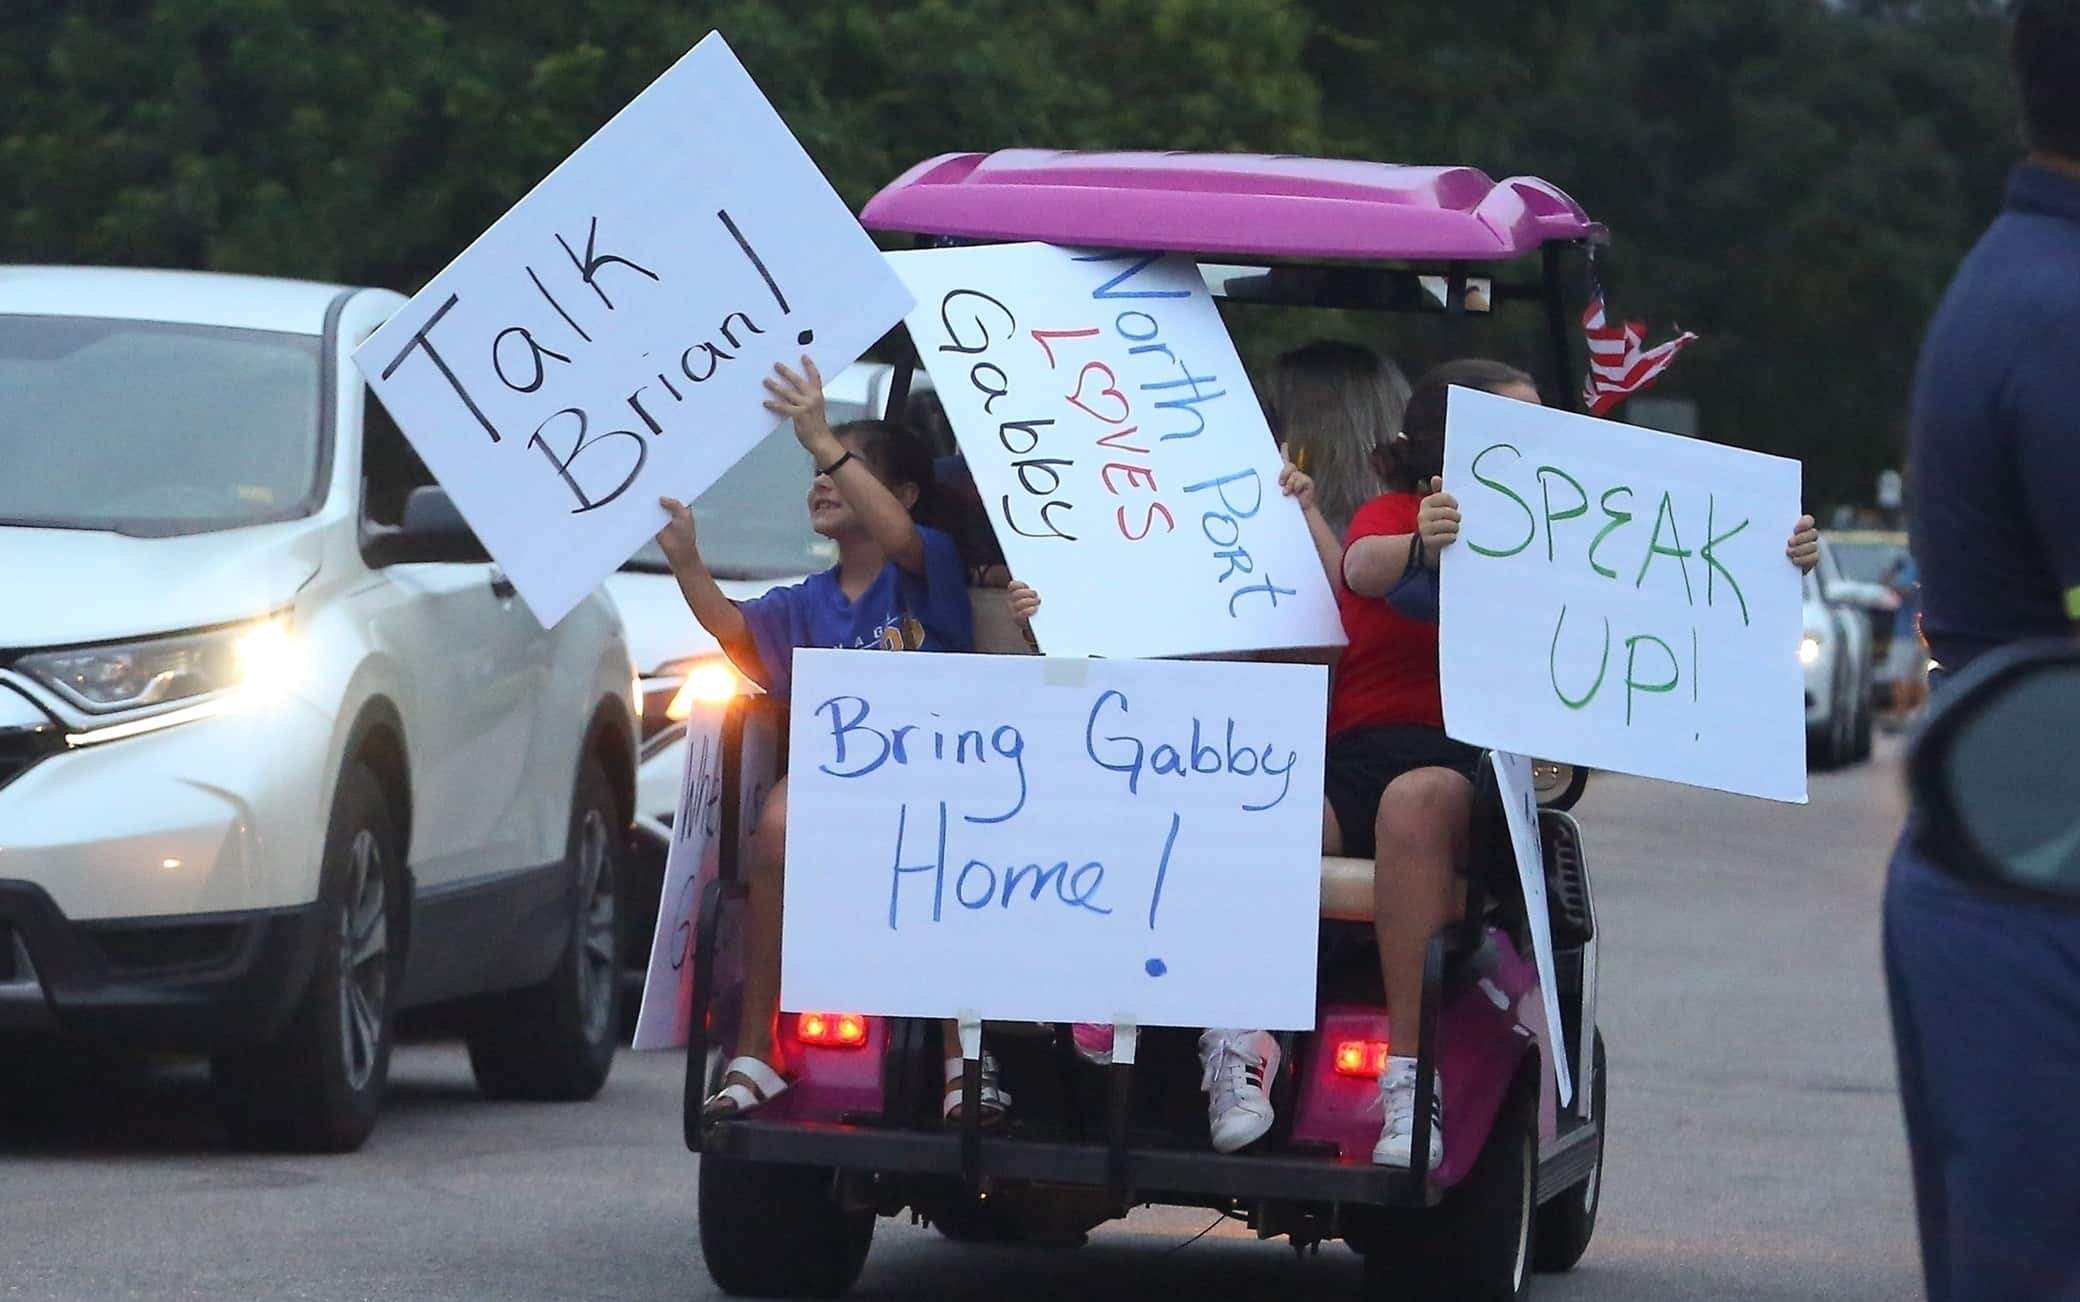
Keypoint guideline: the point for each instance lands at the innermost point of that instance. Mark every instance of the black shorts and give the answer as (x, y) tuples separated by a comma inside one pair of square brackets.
[(1361, 762)]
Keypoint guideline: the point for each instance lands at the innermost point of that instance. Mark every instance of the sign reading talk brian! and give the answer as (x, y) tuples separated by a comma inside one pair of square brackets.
[(606, 341), (1054, 840)]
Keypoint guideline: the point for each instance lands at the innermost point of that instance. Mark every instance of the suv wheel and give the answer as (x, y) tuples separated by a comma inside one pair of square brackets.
[(318, 1086), (555, 1041)]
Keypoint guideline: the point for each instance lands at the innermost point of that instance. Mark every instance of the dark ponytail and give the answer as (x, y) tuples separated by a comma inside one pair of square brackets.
[(1412, 460)]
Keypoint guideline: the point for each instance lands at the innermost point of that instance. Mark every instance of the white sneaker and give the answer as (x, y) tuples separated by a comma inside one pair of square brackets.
[(1397, 1096), (1236, 1065)]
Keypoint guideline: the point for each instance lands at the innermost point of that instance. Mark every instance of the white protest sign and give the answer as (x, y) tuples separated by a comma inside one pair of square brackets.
[(1119, 449), (1054, 840), (1520, 810), (1620, 599), (606, 340), (692, 861)]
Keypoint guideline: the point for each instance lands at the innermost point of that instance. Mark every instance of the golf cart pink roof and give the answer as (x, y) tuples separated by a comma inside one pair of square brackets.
[(1276, 206)]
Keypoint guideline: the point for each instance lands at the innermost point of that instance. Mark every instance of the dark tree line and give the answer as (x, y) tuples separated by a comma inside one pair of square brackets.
[(1793, 179)]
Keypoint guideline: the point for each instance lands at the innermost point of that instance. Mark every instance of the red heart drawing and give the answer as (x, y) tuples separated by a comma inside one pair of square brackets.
[(1111, 380)]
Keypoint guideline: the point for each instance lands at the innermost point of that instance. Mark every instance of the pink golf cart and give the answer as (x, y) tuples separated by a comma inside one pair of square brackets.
[(789, 1194)]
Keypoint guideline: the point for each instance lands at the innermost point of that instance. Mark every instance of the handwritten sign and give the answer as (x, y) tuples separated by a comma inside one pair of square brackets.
[(1119, 449), (1620, 599), (1054, 840), (605, 341), (693, 860), (1520, 811)]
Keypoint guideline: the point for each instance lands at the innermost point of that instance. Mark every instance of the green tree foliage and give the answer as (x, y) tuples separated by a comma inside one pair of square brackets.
[(1793, 179)]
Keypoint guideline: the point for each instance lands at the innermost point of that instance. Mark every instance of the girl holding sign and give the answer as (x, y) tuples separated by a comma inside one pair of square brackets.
[(1399, 790), (899, 585)]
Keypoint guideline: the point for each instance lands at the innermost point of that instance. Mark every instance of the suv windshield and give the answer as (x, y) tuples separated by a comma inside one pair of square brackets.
[(154, 429), (754, 522)]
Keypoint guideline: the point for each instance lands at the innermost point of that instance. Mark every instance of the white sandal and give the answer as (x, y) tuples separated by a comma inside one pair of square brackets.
[(756, 1086), (995, 1101)]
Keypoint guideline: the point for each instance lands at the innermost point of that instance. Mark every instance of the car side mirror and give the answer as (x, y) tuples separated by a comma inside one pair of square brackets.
[(1990, 775), (431, 529)]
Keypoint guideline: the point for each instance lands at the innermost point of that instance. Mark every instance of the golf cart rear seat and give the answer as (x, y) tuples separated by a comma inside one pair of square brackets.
[(1346, 883)]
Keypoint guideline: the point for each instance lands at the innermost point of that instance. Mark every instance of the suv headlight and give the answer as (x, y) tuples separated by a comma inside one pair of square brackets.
[(256, 659), (1809, 649)]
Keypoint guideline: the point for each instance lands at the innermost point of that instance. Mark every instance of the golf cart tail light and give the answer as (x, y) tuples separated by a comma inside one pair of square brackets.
[(709, 682), (831, 1030), (1367, 1058)]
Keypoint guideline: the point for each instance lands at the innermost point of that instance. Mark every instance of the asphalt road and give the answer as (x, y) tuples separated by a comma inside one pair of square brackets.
[(1755, 1153)]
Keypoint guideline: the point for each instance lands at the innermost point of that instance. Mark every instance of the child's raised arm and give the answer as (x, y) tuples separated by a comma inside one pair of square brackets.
[(1297, 484), (886, 520), (716, 612)]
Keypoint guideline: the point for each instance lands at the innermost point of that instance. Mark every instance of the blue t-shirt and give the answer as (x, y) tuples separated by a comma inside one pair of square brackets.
[(899, 611), (1993, 489)]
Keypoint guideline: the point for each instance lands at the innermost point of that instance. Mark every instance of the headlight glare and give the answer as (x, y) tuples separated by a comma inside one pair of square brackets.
[(138, 675)]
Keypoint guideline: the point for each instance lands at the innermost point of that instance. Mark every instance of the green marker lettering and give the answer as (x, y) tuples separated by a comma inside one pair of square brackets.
[(1654, 548), (1633, 684), (1545, 493), (1711, 562), (1603, 664), (1618, 520), (1530, 520)]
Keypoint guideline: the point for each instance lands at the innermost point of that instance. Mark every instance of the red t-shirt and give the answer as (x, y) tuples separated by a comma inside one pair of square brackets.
[(1388, 674)]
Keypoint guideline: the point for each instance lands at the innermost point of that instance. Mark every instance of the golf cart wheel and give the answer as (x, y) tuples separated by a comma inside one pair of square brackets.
[(318, 1086), (778, 1231), (555, 1041), (1475, 1246), (1566, 1224)]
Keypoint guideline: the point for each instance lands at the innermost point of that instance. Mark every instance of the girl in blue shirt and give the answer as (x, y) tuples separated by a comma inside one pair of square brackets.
[(899, 585)]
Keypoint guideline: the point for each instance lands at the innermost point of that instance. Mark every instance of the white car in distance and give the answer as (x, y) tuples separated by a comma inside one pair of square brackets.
[(1835, 651), (281, 752)]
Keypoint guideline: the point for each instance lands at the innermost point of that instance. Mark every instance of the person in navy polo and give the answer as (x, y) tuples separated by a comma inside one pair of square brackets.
[(1986, 990)]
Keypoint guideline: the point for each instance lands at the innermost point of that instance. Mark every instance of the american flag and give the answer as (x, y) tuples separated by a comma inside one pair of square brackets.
[(1618, 366)]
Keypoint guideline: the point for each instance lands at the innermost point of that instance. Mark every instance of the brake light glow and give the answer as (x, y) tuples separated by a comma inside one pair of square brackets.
[(831, 1030), (1366, 1058)]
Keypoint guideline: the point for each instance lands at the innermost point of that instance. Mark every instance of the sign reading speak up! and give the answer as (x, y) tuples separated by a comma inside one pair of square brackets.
[(1054, 840), (1620, 599), (1120, 451), (606, 340)]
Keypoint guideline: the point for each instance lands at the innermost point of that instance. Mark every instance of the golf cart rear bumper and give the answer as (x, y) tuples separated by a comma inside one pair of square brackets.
[(1151, 1172)]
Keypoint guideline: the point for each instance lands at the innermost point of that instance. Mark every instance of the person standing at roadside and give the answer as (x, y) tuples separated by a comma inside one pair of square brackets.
[(1985, 989)]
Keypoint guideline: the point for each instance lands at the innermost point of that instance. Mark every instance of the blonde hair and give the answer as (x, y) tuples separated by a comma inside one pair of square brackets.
[(1332, 403)]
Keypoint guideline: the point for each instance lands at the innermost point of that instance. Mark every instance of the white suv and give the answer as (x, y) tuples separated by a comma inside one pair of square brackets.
[(281, 753)]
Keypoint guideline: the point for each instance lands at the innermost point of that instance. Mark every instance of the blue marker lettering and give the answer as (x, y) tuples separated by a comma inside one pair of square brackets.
[(1131, 768), (843, 728), (960, 885), (937, 868)]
